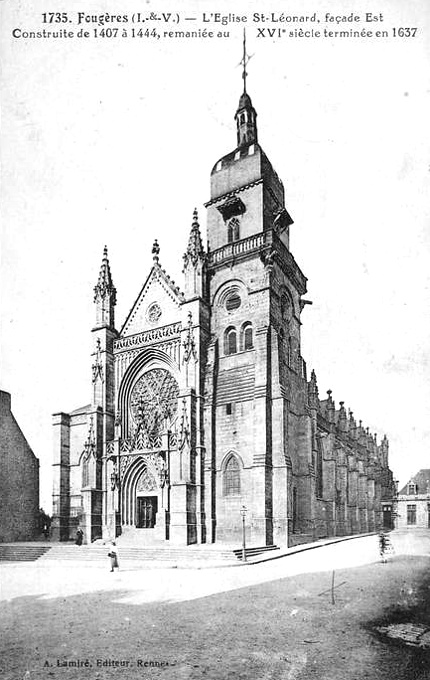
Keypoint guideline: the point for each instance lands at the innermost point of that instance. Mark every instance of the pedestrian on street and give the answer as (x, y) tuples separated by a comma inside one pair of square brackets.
[(113, 554), (79, 537), (382, 546), (46, 531)]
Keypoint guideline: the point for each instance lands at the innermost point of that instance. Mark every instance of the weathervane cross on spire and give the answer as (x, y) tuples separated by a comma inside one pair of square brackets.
[(244, 61)]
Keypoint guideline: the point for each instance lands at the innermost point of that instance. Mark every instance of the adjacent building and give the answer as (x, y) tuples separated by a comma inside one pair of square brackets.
[(19, 480), (413, 502), (202, 408)]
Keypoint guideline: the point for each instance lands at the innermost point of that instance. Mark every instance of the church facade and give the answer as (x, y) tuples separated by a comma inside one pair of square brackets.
[(202, 408)]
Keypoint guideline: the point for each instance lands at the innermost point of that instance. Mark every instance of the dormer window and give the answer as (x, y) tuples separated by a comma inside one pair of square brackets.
[(412, 489)]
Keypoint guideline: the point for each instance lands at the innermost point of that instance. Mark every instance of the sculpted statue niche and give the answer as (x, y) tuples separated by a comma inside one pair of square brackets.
[(154, 401)]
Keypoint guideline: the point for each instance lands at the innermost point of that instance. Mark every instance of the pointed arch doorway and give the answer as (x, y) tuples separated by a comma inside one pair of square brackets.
[(146, 501)]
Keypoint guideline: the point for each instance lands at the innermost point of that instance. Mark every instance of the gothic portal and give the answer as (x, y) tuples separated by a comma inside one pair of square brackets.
[(201, 402)]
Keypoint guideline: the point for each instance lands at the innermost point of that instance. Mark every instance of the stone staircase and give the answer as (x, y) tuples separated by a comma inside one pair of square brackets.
[(99, 553), (22, 552), (255, 552), (133, 555)]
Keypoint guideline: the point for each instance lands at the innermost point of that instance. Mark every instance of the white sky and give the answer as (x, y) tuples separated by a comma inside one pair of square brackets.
[(112, 141)]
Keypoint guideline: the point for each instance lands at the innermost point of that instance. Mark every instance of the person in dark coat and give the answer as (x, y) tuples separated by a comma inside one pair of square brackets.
[(79, 537), (113, 554)]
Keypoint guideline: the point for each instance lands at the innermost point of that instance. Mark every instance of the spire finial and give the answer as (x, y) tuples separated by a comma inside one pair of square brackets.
[(244, 61), (155, 251)]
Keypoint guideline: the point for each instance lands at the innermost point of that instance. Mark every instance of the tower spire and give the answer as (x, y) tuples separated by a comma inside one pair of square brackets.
[(195, 262), (105, 294), (246, 116), (104, 282), (195, 249)]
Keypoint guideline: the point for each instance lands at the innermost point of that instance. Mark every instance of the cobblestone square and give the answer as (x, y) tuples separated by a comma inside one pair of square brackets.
[(275, 620)]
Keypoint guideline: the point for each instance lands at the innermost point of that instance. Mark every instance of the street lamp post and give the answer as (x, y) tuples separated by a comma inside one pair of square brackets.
[(243, 512)]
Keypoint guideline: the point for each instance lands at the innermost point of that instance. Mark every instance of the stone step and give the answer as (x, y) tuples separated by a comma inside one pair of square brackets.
[(168, 554), (21, 553), (254, 551), (98, 553)]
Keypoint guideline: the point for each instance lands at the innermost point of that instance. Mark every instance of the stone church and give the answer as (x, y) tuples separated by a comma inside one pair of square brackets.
[(202, 409)]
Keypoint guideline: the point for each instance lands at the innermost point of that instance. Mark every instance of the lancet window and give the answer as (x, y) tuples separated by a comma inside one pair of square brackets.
[(232, 477)]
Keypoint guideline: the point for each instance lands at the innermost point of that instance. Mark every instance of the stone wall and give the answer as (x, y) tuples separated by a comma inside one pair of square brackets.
[(19, 480)]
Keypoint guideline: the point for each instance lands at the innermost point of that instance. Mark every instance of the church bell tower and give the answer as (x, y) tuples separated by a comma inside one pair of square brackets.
[(255, 372)]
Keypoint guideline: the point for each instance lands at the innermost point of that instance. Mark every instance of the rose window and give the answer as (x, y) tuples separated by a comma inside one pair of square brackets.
[(154, 401), (154, 312)]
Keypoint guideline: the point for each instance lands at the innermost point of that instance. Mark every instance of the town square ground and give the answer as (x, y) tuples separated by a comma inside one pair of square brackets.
[(331, 613)]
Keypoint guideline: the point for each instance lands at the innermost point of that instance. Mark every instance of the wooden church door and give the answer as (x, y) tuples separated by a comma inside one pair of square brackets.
[(146, 512)]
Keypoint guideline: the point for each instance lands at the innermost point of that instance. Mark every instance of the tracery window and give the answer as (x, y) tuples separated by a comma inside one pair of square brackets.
[(154, 400), (232, 477), (230, 341), (153, 312)]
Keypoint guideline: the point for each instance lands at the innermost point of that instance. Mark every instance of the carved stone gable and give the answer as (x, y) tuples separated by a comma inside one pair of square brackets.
[(157, 304)]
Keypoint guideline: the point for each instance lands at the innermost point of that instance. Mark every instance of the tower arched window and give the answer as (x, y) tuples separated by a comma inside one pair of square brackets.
[(88, 471), (230, 341), (232, 477), (233, 231), (247, 336), (289, 353), (85, 473)]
